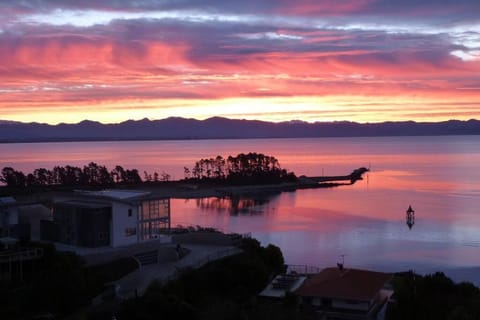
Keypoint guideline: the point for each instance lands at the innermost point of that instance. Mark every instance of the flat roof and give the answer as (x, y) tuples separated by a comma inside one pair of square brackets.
[(7, 201), (282, 284), (349, 284), (85, 204), (115, 194)]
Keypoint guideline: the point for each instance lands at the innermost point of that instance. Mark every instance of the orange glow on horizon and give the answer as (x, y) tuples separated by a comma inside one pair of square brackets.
[(275, 109), (294, 61)]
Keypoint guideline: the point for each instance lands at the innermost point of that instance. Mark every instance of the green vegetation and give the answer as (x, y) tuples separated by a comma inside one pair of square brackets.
[(59, 283), (433, 297), (224, 289), (244, 169)]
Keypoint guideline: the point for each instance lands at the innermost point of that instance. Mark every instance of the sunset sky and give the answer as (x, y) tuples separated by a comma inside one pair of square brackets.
[(274, 60)]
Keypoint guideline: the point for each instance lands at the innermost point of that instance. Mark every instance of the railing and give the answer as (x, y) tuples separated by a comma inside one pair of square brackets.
[(302, 269), (185, 227), (21, 255)]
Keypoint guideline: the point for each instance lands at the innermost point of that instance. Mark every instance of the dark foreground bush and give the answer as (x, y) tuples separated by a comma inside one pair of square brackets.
[(225, 289), (433, 297)]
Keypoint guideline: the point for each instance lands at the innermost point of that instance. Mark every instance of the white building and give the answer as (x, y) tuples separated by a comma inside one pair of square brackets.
[(108, 218)]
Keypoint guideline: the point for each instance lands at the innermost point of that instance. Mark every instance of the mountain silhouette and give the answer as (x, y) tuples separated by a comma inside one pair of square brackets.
[(223, 128)]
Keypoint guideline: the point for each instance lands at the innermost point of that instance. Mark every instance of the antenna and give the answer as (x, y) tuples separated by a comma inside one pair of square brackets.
[(340, 265)]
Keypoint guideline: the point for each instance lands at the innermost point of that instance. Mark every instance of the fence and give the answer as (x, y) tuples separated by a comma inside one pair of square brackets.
[(22, 255), (302, 269)]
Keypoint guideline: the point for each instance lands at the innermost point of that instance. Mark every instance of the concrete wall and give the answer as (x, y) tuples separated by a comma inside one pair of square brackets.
[(213, 238), (165, 253), (120, 222)]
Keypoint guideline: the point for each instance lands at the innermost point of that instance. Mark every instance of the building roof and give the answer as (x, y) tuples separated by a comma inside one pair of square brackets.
[(129, 197), (7, 201), (282, 284), (349, 284), (116, 194), (84, 204)]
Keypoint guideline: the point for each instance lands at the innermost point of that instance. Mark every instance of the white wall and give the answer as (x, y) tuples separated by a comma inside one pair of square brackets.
[(120, 222)]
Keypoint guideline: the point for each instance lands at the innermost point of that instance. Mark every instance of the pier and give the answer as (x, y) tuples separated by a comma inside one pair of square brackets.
[(352, 177)]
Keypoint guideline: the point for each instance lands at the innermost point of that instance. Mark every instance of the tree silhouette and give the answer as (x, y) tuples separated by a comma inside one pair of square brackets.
[(254, 168), (91, 174)]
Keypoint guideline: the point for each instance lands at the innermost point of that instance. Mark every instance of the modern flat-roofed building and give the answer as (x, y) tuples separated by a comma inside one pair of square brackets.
[(108, 218), (344, 293)]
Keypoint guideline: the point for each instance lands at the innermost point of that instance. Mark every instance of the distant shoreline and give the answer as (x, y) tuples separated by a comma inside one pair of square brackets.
[(222, 138)]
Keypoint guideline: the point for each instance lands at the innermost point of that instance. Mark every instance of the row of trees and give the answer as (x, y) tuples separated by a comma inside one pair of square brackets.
[(255, 168), (250, 168), (433, 296), (90, 175)]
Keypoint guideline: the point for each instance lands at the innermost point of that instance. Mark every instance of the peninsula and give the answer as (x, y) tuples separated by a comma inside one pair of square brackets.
[(212, 177), (186, 190)]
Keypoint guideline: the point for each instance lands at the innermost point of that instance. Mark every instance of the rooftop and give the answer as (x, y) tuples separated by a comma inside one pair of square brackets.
[(115, 194), (85, 204), (7, 201), (282, 284), (350, 284)]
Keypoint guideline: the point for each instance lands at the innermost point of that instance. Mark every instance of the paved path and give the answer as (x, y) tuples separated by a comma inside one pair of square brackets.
[(138, 281)]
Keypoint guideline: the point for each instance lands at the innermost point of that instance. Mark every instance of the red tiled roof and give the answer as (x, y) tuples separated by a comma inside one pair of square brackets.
[(351, 284)]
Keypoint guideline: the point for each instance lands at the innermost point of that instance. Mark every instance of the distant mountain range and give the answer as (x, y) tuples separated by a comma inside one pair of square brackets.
[(222, 128)]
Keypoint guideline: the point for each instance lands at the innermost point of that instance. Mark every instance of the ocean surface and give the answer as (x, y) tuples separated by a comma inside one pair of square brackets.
[(366, 222)]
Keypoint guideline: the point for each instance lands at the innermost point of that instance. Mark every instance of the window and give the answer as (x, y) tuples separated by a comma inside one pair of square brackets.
[(130, 232), (129, 212)]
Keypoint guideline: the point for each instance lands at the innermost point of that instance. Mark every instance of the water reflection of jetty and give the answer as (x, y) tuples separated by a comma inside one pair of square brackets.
[(410, 217)]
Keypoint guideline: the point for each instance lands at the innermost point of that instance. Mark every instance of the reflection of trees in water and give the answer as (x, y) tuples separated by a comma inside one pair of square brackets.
[(237, 205)]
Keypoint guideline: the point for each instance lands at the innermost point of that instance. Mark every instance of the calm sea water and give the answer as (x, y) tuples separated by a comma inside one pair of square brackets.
[(438, 176)]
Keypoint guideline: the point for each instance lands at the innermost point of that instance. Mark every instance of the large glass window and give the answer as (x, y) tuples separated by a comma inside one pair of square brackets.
[(153, 218)]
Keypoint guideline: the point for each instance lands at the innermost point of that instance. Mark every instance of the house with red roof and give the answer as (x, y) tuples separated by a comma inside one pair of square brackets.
[(345, 293)]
